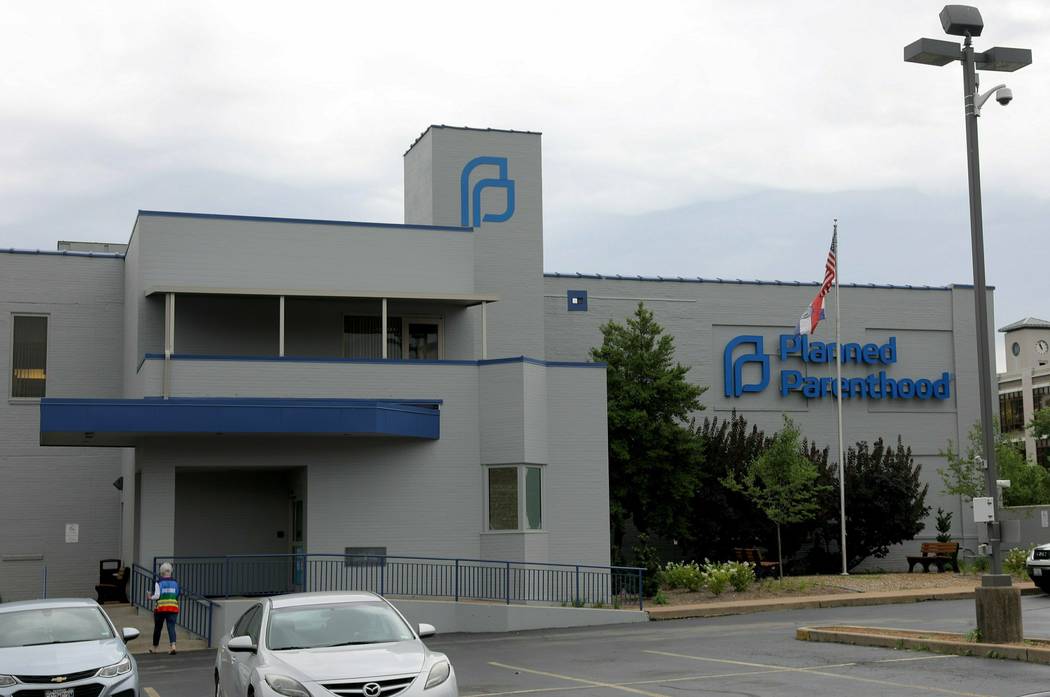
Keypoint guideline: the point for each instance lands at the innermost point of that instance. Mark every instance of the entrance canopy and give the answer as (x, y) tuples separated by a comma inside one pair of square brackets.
[(122, 422)]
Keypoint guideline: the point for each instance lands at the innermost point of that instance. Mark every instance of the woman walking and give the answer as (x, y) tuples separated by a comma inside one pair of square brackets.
[(166, 593)]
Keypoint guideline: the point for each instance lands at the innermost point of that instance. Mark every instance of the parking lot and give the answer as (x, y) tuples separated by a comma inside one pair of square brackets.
[(750, 656)]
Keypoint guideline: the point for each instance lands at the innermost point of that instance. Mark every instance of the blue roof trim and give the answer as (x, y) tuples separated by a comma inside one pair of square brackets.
[(62, 253), (377, 361), (309, 221), (744, 281), (119, 422)]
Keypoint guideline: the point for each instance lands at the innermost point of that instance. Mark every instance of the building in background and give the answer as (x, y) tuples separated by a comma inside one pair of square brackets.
[(1025, 386)]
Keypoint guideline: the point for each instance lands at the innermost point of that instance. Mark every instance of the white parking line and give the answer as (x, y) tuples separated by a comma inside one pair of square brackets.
[(819, 671), (151, 692)]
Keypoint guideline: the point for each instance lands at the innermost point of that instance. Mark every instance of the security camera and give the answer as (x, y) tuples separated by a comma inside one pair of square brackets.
[(1004, 95)]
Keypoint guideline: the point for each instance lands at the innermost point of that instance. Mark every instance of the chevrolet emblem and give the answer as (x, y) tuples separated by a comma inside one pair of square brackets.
[(59, 678)]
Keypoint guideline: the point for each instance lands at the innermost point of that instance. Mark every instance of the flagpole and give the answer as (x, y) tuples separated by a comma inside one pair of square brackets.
[(838, 372)]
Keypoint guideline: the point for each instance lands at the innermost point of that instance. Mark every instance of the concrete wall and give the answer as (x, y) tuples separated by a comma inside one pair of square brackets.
[(227, 252), (934, 330), (46, 488), (508, 256)]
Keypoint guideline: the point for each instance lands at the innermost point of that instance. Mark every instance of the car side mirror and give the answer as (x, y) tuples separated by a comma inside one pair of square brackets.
[(426, 630), (129, 634), (242, 644)]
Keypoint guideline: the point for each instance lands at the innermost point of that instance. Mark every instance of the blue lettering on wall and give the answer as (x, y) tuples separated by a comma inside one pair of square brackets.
[(468, 197), (878, 385)]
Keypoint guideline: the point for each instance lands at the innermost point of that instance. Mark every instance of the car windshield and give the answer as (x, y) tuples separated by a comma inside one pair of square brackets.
[(342, 624), (54, 625)]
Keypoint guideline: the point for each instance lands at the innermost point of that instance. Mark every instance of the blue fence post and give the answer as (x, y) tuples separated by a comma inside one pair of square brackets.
[(576, 598), (507, 580), (44, 589), (641, 589), (456, 582), (382, 576), (226, 577), (211, 606)]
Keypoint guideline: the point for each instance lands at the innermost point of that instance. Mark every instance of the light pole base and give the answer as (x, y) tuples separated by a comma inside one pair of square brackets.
[(999, 610)]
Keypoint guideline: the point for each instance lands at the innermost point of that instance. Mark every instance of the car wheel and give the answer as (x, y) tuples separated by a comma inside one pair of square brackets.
[(218, 687), (1044, 586)]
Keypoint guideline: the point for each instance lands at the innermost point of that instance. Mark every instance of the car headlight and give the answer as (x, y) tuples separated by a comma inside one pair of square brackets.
[(7, 680), (439, 673), (283, 685), (116, 669)]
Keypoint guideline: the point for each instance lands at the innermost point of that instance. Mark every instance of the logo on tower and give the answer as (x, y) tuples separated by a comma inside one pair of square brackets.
[(734, 369), (470, 199)]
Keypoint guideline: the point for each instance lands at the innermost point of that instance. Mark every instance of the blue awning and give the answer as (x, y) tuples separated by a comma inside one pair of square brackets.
[(123, 422)]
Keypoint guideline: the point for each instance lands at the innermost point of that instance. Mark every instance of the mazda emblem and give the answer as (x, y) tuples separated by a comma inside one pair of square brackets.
[(372, 689)]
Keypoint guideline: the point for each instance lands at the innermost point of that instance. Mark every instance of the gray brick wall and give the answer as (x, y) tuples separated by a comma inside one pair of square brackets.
[(45, 488), (934, 330)]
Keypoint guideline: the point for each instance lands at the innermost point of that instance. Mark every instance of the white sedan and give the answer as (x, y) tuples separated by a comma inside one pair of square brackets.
[(319, 644)]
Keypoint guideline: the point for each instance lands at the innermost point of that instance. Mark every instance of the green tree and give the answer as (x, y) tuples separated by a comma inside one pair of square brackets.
[(885, 500), (1040, 423), (961, 475), (654, 450), (1029, 484), (782, 482), (944, 525)]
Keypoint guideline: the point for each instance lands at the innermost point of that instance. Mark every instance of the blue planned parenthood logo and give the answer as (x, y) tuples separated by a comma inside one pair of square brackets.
[(876, 385), (470, 200), (734, 368)]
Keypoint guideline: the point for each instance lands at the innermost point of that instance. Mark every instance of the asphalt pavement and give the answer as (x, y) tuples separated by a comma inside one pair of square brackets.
[(743, 656)]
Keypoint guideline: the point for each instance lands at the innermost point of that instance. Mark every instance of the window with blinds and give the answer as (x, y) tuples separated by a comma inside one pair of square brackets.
[(361, 337), (29, 356)]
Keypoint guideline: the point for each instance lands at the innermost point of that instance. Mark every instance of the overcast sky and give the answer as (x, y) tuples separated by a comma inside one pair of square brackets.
[(695, 138)]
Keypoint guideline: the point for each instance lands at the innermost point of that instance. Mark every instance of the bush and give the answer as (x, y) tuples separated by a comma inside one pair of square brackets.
[(741, 575), (716, 577), (685, 575), (1015, 560)]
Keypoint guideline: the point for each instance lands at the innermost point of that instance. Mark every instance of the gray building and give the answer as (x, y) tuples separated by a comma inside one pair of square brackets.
[(239, 385), (275, 385), (1025, 386)]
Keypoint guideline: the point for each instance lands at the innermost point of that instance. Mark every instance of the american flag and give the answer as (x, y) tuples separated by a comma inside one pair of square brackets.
[(807, 323)]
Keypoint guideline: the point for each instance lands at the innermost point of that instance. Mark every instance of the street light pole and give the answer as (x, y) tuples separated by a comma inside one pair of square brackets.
[(980, 290), (966, 21)]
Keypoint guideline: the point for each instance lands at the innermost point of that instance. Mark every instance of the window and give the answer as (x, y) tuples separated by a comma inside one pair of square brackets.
[(514, 498), (1040, 398), (416, 338), (1011, 412), (28, 356), (361, 337), (241, 627)]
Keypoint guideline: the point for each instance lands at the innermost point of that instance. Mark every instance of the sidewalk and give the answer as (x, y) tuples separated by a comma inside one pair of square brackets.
[(798, 602)]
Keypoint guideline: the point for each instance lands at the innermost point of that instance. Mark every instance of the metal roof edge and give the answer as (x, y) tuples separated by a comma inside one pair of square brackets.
[(301, 221), (745, 281)]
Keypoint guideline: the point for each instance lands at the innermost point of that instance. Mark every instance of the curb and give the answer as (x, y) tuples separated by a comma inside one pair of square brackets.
[(908, 640), (745, 607)]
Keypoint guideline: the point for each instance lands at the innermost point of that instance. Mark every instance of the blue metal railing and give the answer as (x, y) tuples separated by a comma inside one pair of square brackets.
[(195, 611), (428, 577)]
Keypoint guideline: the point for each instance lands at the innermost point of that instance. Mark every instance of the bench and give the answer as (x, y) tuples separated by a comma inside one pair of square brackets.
[(112, 581), (753, 555), (941, 554)]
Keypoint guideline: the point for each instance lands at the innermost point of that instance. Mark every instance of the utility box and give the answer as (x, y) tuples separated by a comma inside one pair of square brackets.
[(983, 510)]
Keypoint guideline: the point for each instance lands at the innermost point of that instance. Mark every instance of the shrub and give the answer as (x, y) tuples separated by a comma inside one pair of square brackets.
[(1015, 560), (741, 575), (660, 598), (944, 525), (685, 575), (716, 580)]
